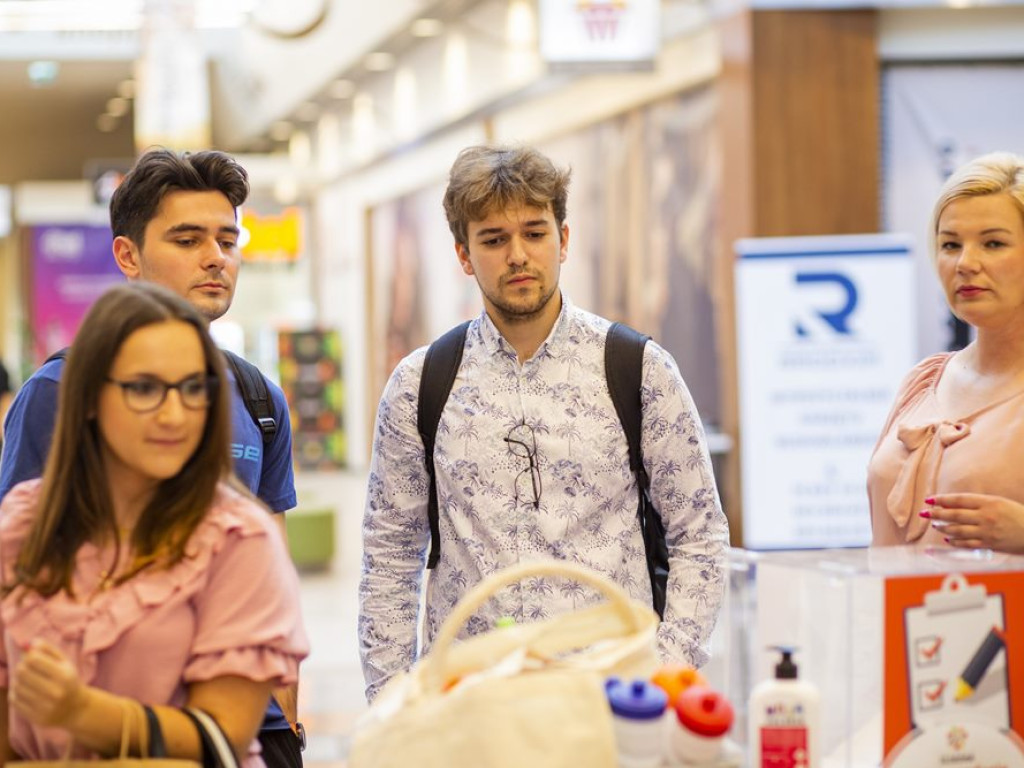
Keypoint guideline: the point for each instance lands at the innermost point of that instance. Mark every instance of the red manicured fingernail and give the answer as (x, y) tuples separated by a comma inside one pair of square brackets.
[(930, 500), (946, 539), (924, 513)]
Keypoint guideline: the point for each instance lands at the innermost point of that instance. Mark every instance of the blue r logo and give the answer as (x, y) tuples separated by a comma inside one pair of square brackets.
[(838, 319)]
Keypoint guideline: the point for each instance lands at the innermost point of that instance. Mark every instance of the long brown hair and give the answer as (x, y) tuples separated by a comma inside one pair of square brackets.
[(75, 504)]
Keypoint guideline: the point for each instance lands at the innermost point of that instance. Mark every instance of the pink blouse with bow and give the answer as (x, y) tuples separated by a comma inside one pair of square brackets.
[(925, 450)]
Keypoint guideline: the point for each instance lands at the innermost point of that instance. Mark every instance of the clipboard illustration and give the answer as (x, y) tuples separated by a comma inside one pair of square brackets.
[(956, 659)]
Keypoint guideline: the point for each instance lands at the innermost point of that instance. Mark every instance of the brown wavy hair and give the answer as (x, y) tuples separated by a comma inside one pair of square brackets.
[(75, 504), (485, 179)]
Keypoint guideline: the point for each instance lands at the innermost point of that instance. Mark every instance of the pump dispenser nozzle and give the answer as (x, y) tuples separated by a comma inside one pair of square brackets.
[(785, 669)]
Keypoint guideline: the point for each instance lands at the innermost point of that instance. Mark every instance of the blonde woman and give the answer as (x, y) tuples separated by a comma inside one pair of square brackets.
[(946, 468)]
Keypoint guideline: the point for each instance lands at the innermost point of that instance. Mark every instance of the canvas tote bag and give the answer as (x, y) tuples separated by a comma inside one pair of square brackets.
[(525, 695)]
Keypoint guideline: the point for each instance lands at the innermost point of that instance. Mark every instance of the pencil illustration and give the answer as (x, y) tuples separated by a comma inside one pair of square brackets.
[(976, 668)]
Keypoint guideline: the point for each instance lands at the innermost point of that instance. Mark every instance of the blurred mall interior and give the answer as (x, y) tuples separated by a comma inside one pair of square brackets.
[(692, 127)]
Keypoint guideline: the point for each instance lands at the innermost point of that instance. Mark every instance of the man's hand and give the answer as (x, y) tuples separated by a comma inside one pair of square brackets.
[(976, 520), (45, 688)]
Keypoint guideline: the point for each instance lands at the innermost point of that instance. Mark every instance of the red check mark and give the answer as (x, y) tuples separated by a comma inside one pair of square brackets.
[(936, 693), (929, 652)]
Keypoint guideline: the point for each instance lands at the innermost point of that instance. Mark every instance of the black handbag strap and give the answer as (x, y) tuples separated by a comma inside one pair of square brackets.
[(217, 751), (157, 745)]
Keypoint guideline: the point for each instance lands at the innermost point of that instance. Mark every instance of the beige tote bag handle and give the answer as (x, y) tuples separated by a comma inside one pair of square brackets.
[(619, 604)]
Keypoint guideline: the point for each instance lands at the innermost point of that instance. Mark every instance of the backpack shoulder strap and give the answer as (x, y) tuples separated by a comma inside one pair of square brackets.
[(255, 394), (60, 354), (624, 371), (440, 367)]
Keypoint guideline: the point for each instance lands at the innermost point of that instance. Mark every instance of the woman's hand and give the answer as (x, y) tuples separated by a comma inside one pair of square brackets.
[(45, 688), (977, 520)]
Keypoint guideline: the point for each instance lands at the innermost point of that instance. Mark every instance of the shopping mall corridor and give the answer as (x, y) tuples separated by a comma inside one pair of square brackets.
[(331, 684)]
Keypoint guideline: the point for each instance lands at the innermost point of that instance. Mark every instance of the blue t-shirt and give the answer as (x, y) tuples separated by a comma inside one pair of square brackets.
[(266, 469)]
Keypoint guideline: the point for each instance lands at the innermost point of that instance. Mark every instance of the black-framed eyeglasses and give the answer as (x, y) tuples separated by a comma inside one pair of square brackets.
[(148, 394), (522, 442)]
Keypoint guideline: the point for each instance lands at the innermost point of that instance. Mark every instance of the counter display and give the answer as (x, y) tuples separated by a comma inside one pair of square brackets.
[(913, 650)]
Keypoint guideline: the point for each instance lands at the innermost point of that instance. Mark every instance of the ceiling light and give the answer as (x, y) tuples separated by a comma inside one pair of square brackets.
[(307, 112), (426, 27), (117, 106), (110, 15), (300, 148), (43, 73), (106, 123), (520, 24), (280, 131), (342, 89), (379, 61)]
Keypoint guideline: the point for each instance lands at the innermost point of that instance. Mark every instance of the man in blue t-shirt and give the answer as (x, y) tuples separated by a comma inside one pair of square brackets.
[(174, 221)]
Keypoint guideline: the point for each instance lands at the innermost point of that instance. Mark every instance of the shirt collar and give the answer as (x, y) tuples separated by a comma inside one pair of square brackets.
[(552, 346)]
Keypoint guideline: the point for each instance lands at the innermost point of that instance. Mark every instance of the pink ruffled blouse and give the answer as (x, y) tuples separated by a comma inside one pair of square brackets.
[(924, 450), (230, 607)]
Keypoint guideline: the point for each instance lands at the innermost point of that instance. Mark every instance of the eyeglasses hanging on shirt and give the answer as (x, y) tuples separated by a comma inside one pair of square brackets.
[(522, 442)]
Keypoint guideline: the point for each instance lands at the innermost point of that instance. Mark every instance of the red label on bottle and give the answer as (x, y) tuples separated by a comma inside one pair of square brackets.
[(784, 748)]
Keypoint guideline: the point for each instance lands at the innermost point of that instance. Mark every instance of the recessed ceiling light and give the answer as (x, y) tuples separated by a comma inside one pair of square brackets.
[(426, 27), (379, 61), (280, 131), (106, 123), (307, 111), (117, 106), (342, 89), (43, 73)]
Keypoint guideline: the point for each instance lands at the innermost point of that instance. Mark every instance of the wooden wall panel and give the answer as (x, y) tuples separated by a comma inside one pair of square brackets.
[(800, 135), (816, 122)]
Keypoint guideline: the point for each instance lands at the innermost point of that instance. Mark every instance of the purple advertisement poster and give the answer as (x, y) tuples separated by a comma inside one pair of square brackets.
[(72, 265)]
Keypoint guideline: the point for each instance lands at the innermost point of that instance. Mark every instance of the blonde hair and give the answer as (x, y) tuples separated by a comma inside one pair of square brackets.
[(991, 174)]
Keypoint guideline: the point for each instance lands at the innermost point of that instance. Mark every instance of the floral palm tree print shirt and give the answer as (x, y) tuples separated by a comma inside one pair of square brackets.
[(532, 463)]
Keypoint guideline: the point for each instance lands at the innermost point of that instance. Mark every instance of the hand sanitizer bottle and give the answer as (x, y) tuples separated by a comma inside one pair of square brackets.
[(784, 719)]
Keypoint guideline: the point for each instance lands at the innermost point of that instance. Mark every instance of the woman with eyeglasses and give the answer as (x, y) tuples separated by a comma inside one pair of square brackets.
[(136, 569)]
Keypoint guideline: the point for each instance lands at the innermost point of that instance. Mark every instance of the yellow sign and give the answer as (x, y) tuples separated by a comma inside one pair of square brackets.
[(273, 237)]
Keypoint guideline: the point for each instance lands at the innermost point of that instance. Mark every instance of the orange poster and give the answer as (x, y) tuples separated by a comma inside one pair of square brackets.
[(954, 670)]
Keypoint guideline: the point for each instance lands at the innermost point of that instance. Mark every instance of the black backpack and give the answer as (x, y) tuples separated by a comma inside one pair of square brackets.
[(623, 368), (255, 393)]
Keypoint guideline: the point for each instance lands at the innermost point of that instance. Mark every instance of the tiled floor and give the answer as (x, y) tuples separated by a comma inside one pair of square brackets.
[(331, 683)]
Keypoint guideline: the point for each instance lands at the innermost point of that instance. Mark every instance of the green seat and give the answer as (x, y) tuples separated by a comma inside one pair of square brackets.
[(311, 537)]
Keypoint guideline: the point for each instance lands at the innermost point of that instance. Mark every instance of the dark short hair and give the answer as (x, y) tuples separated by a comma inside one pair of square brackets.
[(485, 179), (137, 198)]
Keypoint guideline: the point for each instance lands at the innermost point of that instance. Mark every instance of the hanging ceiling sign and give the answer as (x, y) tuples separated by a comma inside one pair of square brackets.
[(599, 34)]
